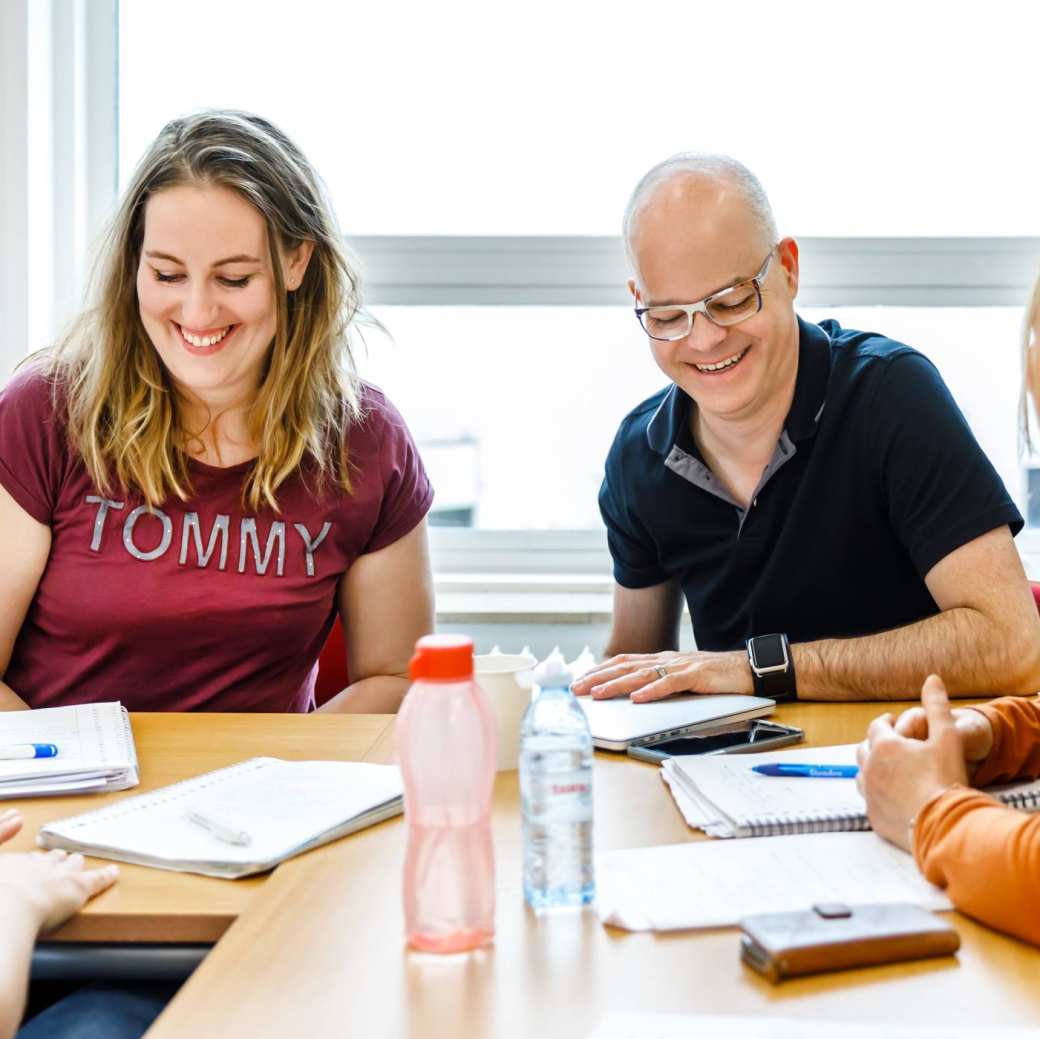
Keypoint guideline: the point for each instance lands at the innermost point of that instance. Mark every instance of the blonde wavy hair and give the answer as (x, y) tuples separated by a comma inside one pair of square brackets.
[(120, 403), (1030, 364)]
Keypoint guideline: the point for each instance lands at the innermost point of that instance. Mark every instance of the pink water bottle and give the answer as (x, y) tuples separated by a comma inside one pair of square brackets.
[(447, 746)]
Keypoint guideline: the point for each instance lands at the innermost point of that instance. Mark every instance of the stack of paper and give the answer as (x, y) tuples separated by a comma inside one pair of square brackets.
[(718, 883), (95, 750), (238, 820), (721, 795)]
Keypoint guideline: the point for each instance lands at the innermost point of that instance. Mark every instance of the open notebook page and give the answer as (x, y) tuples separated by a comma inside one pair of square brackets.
[(283, 805)]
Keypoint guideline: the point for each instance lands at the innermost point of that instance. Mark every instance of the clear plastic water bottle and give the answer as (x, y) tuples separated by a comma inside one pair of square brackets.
[(556, 789), (446, 747)]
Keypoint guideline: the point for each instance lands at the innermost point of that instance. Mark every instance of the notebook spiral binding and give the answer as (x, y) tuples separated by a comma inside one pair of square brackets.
[(781, 825), (1029, 799), (143, 802)]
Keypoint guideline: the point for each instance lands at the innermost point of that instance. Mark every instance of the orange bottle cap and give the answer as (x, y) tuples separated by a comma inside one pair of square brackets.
[(442, 657)]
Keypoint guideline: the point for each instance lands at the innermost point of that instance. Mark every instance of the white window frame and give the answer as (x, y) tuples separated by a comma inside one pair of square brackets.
[(58, 119), (58, 165)]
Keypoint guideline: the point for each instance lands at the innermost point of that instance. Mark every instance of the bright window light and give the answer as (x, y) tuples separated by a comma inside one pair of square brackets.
[(457, 118), (521, 414)]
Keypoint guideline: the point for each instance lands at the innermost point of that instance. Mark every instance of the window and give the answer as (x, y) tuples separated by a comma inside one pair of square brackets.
[(533, 397), (480, 164), (469, 118)]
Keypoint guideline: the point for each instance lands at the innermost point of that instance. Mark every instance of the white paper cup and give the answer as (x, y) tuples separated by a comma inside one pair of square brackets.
[(497, 674)]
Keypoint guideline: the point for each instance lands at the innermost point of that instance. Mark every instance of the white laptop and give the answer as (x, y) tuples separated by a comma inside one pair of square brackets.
[(619, 724)]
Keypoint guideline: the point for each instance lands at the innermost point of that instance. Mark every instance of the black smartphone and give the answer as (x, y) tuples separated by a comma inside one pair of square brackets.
[(745, 738)]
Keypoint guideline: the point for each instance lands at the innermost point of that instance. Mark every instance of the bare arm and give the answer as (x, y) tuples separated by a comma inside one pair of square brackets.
[(986, 641), (19, 936), (645, 620), (25, 545), (386, 602), (37, 892)]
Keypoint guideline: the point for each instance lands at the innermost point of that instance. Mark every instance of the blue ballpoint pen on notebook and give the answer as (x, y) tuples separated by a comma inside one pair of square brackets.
[(25, 751), (807, 771)]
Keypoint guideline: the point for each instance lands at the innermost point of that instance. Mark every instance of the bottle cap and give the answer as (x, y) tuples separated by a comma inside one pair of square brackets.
[(443, 657), (552, 673)]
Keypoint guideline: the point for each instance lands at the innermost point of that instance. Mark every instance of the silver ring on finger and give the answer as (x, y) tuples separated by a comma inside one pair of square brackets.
[(662, 671)]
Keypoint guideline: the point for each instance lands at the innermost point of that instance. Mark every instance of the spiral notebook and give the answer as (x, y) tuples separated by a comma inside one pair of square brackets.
[(95, 750), (723, 797), (282, 807)]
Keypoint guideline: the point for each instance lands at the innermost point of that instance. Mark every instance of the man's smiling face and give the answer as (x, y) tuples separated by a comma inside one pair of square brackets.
[(694, 237)]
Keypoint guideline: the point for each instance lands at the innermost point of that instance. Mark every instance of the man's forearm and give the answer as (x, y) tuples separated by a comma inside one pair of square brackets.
[(970, 651)]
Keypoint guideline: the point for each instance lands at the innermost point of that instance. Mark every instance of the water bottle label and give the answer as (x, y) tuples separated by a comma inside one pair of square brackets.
[(567, 797)]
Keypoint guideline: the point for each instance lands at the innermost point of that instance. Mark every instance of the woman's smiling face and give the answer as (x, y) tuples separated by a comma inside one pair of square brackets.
[(205, 290)]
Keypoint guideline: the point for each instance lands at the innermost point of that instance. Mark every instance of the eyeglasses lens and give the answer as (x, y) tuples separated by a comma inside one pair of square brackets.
[(735, 304)]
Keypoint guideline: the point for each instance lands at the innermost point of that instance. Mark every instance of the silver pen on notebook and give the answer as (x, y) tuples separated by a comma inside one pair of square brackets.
[(220, 828)]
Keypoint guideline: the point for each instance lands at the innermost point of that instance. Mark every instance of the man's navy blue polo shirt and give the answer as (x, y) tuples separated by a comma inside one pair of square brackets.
[(876, 478)]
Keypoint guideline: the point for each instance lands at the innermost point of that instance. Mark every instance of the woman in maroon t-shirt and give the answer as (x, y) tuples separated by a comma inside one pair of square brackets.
[(195, 481)]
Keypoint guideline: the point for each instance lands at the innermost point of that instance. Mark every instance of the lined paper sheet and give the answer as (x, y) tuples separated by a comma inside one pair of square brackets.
[(697, 813), (739, 794), (717, 883)]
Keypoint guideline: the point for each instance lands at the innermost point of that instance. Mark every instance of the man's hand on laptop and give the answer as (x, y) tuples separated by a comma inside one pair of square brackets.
[(653, 676)]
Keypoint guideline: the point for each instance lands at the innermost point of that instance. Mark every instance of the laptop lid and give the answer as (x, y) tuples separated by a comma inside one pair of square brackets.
[(618, 724)]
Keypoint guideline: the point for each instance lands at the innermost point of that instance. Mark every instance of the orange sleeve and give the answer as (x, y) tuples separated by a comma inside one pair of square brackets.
[(986, 855), (1016, 741)]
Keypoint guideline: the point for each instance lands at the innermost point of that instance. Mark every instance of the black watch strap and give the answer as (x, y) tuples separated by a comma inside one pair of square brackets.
[(772, 667)]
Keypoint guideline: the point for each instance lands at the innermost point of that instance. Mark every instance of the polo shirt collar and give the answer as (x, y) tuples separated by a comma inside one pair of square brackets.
[(670, 422), (810, 388)]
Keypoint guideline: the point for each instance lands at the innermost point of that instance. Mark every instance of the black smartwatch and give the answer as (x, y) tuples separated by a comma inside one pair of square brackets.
[(772, 668)]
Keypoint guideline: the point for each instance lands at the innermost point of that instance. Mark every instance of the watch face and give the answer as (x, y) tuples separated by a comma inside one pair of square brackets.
[(768, 651)]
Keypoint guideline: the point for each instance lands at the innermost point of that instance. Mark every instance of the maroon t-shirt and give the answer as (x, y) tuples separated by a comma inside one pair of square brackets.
[(200, 605)]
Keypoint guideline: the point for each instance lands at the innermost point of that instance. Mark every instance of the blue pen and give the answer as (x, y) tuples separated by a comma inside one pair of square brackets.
[(807, 771), (24, 751)]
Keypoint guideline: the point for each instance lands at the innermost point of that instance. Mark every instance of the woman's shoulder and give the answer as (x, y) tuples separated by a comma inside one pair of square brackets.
[(375, 407), (33, 401), (32, 390), (34, 450), (378, 423)]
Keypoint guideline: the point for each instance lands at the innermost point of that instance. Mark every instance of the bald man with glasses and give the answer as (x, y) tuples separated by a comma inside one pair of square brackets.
[(813, 492)]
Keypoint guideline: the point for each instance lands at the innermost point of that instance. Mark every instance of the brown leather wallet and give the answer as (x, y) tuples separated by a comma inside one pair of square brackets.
[(836, 937)]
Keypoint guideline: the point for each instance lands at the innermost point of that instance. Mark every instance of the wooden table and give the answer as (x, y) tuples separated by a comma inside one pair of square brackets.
[(318, 950), (151, 905)]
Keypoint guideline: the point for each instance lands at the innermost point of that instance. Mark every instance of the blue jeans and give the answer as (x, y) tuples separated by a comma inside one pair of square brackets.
[(102, 1010)]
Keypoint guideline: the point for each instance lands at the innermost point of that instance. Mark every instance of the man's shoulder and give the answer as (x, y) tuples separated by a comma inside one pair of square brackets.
[(635, 424), (865, 364), (632, 434), (879, 383), (866, 351)]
